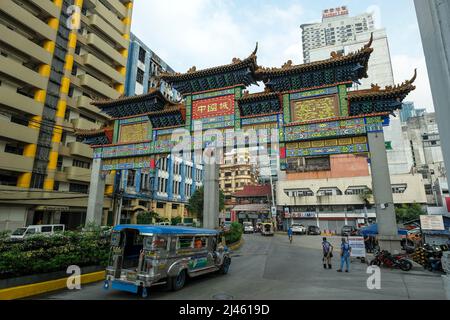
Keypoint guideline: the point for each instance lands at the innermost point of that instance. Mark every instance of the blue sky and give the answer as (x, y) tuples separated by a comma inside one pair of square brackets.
[(207, 33)]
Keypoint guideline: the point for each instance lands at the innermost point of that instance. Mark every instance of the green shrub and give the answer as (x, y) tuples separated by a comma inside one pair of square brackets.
[(235, 233), (42, 254)]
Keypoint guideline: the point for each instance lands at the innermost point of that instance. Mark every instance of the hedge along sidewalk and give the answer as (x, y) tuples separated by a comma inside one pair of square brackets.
[(34, 289), (236, 245)]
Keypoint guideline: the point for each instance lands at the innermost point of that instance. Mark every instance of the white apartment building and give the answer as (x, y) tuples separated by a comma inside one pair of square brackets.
[(338, 32)]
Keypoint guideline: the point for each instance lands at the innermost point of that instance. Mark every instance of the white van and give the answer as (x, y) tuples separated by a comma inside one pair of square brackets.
[(47, 229)]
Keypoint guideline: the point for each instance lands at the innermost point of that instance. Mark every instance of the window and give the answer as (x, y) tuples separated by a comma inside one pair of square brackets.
[(79, 188), (58, 228), (140, 76), (142, 54), (185, 242), (80, 164), (46, 229), (399, 188), (174, 206), (131, 178), (200, 242), (145, 182), (14, 148)]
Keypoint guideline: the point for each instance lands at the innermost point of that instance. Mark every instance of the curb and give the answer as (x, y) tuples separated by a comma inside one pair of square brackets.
[(47, 286), (236, 245)]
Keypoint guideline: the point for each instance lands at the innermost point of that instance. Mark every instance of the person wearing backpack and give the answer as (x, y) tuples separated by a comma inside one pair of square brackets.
[(346, 251), (327, 253)]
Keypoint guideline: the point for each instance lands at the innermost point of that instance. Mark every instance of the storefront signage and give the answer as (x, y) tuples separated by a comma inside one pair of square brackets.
[(432, 222), (358, 246), (300, 215)]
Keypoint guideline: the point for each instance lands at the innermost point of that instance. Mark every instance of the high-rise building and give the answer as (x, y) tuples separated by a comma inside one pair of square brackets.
[(56, 57), (342, 34), (434, 23), (143, 68), (236, 172), (409, 111), (425, 142)]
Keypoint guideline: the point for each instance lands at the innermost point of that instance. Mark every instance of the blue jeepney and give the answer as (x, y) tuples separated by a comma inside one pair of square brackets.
[(147, 255)]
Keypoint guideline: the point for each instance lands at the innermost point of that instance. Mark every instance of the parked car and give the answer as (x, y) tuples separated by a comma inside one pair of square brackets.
[(25, 232), (348, 231), (313, 231), (298, 228), (248, 227), (165, 223)]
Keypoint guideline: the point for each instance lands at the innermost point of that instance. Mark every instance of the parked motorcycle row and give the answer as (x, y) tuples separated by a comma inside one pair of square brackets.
[(385, 258), (430, 256)]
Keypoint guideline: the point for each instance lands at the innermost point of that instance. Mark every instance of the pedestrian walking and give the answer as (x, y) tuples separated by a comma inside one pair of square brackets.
[(290, 234), (345, 255), (327, 253)]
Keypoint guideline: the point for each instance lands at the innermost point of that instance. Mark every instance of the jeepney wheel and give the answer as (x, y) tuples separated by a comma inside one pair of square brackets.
[(178, 282), (225, 266)]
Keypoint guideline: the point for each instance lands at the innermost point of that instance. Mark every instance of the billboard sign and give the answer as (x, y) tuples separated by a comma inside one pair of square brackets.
[(432, 222)]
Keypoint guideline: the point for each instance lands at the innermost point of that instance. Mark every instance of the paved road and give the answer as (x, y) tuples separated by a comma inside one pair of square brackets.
[(271, 268)]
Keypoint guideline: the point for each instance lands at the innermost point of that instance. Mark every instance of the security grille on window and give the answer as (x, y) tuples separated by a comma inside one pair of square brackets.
[(140, 76), (399, 188), (357, 190), (142, 54)]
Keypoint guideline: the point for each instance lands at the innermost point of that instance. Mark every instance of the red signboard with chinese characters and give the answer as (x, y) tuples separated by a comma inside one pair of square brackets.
[(213, 107)]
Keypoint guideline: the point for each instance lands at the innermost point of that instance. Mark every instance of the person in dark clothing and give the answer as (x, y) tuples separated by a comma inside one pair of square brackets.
[(327, 253)]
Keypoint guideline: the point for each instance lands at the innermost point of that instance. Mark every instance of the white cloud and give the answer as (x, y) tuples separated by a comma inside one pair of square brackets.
[(404, 66), (206, 33)]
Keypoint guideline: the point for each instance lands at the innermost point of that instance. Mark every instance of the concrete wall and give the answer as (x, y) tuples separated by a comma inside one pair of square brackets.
[(414, 192), (341, 166), (12, 218)]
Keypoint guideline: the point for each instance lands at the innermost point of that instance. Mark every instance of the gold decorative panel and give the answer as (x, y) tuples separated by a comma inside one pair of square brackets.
[(134, 132), (315, 109)]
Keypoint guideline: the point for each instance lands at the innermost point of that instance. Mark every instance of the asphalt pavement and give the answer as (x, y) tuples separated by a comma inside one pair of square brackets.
[(272, 268)]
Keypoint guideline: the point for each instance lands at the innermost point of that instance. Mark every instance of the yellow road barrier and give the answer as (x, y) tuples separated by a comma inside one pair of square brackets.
[(30, 290)]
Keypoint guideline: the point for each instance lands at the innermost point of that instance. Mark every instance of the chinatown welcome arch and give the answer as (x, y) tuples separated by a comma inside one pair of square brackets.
[(311, 106)]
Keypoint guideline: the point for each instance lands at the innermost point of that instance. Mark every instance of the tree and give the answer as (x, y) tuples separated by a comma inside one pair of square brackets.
[(407, 213), (365, 197), (146, 217), (176, 220), (195, 205)]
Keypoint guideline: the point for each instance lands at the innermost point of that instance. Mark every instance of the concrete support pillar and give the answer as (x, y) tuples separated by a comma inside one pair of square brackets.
[(211, 196), (96, 194), (382, 192)]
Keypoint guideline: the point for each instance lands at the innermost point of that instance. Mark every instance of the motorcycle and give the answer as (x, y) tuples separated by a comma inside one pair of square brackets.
[(398, 261)]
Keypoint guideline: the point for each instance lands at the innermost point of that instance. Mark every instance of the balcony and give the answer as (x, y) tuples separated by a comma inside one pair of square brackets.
[(78, 174), (14, 162), (118, 7), (26, 18), (84, 124), (48, 6), (98, 86), (80, 149), (106, 69), (17, 132), (21, 73), (95, 41), (101, 25), (83, 102), (108, 15), (25, 46), (12, 100)]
